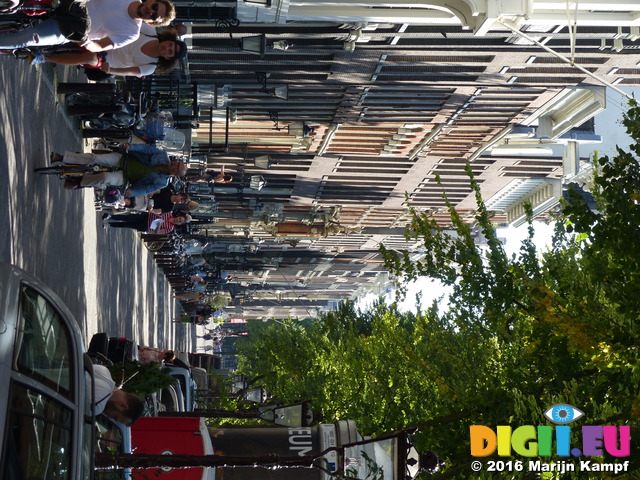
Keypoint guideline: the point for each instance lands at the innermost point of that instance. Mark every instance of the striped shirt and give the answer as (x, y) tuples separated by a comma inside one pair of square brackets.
[(165, 227)]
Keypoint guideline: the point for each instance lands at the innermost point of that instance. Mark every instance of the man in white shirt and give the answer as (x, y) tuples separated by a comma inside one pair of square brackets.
[(117, 404), (114, 23)]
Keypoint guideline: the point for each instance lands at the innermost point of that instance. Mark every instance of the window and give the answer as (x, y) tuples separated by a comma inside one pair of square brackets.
[(43, 346), (38, 438)]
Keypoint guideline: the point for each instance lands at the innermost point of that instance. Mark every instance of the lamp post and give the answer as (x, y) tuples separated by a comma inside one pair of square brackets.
[(390, 457), (294, 415)]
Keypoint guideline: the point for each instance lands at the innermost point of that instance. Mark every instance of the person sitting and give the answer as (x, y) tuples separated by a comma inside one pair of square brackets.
[(115, 403), (113, 24), (151, 53), (147, 355), (148, 169), (148, 222)]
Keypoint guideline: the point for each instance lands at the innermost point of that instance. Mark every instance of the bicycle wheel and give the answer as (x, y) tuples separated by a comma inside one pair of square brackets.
[(96, 123), (95, 98), (71, 170), (55, 170), (156, 245)]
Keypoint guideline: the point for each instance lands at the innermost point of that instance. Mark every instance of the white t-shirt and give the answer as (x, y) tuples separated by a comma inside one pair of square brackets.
[(110, 18), (131, 55), (104, 387)]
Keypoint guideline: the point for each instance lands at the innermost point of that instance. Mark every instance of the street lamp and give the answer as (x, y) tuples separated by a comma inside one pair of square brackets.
[(392, 457), (281, 91), (294, 415), (238, 383), (255, 395), (262, 3), (255, 44), (262, 161), (277, 92), (300, 129)]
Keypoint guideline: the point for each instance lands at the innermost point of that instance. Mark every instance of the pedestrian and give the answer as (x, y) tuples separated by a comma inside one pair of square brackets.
[(165, 199), (112, 24), (152, 52), (148, 221), (147, 169), (194, 319)]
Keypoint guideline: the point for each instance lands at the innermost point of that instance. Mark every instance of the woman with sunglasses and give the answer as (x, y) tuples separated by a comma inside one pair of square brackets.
[(153, 52)]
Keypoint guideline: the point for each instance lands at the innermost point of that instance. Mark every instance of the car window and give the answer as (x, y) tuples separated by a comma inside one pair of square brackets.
[(43, 346), (39, 436), (109, 435), (109, 439)]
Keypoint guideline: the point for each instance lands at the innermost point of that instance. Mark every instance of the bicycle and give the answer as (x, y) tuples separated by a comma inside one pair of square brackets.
[(70, 170)]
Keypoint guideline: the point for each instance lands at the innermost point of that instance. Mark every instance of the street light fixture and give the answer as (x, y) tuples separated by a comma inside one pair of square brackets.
[(255, 44), (263, 161), (262, 3), (255, 395), (300, 129), (294, 415), (277, 92), (391, 457)]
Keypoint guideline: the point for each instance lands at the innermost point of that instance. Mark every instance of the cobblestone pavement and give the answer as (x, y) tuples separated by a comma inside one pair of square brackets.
[(106, 277)]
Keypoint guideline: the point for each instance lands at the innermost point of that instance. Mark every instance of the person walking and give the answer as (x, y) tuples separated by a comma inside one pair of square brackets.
[(148, 222), (147, 169), (153, 52), (113, 24)]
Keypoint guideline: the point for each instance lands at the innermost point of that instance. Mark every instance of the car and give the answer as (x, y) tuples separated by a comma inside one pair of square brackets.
[(46, 414), (186, 384)]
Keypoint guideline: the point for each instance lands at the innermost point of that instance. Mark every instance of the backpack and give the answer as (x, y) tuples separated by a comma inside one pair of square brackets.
[(73, 20)]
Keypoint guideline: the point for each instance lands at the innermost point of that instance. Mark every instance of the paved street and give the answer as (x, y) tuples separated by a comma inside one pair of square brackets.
[(104, 276)]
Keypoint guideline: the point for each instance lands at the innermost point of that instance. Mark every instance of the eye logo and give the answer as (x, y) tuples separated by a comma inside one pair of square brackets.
[(563, 413)]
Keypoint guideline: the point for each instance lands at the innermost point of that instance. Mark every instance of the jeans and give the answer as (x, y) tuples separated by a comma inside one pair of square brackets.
[(48, 33)]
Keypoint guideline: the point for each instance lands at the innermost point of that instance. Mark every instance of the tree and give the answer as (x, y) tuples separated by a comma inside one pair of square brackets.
[(141, 379), (520, 333)]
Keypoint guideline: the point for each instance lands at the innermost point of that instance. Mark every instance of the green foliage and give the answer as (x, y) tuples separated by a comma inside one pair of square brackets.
[(520, 334), (141, 379)]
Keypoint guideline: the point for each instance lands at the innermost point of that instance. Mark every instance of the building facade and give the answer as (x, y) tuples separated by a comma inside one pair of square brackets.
[(335, 117)]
